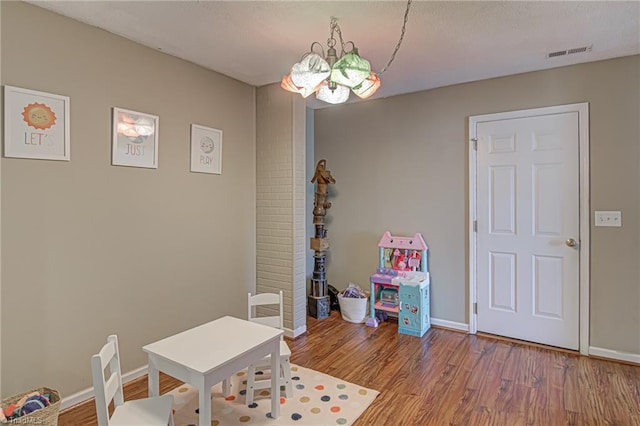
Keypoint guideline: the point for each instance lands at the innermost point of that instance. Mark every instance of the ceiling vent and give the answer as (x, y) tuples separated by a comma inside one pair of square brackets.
[(569, 51)]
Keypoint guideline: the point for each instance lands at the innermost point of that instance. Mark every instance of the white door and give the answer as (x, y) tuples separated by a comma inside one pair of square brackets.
[(528, 217)]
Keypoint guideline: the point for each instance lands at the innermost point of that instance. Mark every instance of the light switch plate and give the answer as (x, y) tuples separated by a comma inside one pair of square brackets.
[(611, 218)]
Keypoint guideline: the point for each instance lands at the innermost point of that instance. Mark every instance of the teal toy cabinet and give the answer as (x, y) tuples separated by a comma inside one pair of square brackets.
[(414, 316), (400, 286)]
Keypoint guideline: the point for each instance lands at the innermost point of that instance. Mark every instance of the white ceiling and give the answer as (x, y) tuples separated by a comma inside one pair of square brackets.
[(446, 42)]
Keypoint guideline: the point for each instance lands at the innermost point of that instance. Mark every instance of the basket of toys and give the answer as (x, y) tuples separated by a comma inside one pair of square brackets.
[(39, 406), (353, 304)]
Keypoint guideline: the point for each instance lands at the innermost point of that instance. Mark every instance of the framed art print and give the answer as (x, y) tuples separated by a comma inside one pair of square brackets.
[(36, 124), (135, 139), (206, 150)]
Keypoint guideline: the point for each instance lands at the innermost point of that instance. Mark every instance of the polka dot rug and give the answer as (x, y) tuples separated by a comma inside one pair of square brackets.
[(318, 399)]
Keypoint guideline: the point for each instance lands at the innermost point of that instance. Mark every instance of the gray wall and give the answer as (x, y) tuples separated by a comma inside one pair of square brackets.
[(401, 164), (90, 249), (1, 392), (309, 199)]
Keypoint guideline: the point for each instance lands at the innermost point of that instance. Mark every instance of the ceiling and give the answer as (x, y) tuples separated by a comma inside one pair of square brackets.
[(446, 42)]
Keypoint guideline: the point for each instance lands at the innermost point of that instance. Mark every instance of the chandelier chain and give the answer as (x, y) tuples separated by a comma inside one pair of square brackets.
[(331, 41), (335, 28), (404, 27)]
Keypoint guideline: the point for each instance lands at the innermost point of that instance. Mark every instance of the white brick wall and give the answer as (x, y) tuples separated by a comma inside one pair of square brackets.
[(280, 201), (300, 242)]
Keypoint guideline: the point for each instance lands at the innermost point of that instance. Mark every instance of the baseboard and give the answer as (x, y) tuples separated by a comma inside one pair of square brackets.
[(617, 355), (450, 324), (295, 333), (88, 393)]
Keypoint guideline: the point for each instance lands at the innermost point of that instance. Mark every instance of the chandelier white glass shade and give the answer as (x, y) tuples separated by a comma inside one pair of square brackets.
[(333, 77), (337, 95), (310, 72), (368, 87)]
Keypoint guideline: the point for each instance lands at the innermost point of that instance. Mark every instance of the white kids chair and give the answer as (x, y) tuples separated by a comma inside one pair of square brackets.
[(275, 321), (148, 411)]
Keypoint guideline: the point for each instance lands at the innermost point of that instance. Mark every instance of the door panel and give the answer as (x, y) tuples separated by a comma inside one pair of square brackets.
[(527, 206), (503, 279), (502, 214)]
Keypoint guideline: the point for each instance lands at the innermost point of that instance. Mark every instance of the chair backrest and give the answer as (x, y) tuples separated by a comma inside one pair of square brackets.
[(111, 388), (271, 316)]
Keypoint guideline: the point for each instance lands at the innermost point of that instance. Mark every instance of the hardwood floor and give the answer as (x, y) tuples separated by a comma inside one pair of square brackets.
[(451, 378)]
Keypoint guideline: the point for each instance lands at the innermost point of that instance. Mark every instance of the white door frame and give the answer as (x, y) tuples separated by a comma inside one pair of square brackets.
[(585, 217)]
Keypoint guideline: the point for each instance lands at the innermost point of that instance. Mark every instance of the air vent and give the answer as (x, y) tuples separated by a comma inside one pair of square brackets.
[(579, 50), (558, 53), (569, 51)]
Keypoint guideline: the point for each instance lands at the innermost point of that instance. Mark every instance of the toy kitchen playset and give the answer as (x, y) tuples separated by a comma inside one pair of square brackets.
[(400, 286)]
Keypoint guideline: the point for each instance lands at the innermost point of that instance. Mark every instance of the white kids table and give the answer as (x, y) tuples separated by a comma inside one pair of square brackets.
[(212, 352)]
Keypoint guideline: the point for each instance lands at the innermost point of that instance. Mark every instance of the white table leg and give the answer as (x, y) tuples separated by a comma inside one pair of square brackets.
[(204, 398), (226, 387), (154, 379), (275, 382)]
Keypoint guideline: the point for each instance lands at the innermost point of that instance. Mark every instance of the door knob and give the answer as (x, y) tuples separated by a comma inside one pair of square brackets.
[(571, 242)]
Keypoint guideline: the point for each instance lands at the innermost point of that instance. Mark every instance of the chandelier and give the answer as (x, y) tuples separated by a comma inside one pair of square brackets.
[(332, 77)]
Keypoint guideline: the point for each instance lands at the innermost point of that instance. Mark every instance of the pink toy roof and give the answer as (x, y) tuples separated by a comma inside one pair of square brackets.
[(412, 243)]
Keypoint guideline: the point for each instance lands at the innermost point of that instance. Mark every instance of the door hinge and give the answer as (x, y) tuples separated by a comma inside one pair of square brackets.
[(475, 308), (475, 143), (475, 226)]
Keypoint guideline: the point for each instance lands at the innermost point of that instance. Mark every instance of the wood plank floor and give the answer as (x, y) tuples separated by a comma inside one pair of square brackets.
[(451, 378)]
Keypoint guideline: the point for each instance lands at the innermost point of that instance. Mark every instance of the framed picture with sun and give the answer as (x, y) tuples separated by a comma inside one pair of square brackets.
[(206, 150), (135, 139), (36, 125)]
